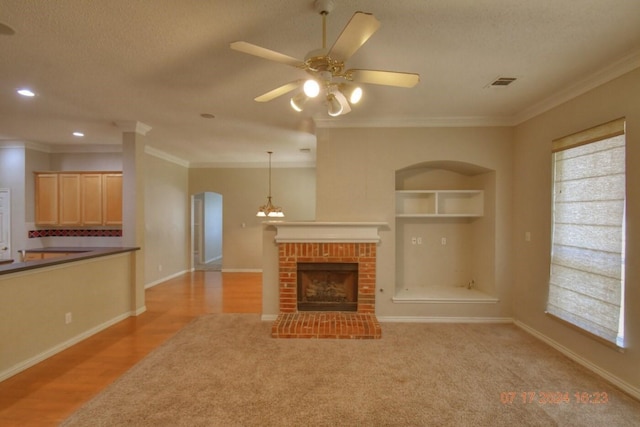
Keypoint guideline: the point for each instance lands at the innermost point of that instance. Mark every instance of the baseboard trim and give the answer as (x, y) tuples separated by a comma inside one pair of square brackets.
[(613, 379), (26, 364), (426, 319), (218, 258), (421, 319), (164, 279), (242, 270), (139, 311)]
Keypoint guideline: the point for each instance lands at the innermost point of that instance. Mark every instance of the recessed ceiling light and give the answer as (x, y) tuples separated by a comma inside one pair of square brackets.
[(78, 134), (26, 92)]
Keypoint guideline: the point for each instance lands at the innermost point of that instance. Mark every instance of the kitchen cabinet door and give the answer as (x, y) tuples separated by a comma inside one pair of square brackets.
[(46, 192), (112, 198), (92, 208), (69, 202)]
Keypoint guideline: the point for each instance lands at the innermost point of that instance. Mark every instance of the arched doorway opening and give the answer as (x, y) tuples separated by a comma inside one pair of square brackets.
[(206, 229)]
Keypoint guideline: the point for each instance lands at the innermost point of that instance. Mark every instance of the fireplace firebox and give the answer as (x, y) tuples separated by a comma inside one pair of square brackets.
[(326, 286)]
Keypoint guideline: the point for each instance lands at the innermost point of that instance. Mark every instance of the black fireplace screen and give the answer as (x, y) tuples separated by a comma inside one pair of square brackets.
[(327, 286)]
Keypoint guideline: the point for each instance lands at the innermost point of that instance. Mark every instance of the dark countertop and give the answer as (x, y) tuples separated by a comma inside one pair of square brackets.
[(75, 254)]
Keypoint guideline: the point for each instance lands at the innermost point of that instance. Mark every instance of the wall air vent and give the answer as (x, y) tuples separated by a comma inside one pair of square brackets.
[(502, 81)]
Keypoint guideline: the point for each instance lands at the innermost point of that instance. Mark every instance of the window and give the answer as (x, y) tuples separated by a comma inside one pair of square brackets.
[(586, 285)]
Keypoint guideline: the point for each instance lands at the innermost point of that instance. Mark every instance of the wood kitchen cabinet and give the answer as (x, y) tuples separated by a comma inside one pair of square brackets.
[(92, 206), (73, 199), (46, 190), (112, 198), (69, 199)]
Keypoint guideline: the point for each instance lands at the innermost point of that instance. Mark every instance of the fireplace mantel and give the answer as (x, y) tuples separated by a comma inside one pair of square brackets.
[(327, 232)]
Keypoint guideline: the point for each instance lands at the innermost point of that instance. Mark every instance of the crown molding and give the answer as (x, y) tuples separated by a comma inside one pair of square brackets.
[(133, 126), (605, 75), (614, 70), (36, 146), (250, 165), (166, 156), (470, 121)]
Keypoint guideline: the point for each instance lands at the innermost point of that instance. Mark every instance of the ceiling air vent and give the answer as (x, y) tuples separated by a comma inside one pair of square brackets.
[(502, 81)]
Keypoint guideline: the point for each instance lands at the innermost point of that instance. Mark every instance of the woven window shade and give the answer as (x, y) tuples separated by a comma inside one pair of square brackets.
[(587, 255)]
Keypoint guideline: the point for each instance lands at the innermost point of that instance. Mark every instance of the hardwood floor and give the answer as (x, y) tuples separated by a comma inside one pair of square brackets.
[(46, 394)]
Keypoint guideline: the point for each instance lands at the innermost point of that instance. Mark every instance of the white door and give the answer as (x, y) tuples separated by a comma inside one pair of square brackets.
[(5, 225)]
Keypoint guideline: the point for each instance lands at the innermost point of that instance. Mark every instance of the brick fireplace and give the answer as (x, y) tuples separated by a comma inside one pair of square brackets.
[(336, 245)]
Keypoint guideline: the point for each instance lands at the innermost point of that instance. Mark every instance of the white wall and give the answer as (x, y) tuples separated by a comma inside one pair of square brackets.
[(12, 176)]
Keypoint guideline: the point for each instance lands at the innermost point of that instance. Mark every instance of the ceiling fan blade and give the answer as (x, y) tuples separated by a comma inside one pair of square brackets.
[(354, 35), (279, 91), (264, 53), (387, 78)]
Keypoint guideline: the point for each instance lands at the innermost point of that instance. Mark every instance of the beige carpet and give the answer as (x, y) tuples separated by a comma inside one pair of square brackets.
[(226, 370)]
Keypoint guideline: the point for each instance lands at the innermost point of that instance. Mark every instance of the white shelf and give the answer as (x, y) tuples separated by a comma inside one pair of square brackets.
[(439, 203), (443, 295)]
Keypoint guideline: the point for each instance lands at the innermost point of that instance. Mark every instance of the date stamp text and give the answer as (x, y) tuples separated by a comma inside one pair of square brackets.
[(554, 397)]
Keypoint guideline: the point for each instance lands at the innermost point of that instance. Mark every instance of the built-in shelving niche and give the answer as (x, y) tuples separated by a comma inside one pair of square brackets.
[(445, 233)]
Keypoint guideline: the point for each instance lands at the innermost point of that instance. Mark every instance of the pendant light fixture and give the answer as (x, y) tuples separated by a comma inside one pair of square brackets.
[(269, 210)]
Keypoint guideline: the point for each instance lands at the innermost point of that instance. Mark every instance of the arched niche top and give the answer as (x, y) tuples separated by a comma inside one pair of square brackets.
[(462, 168)]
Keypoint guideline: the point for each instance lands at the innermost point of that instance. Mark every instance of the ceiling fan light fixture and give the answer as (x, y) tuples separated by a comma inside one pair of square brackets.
[(334, 106), (352, 92), (311, 88), (298, 101), (326, 66)]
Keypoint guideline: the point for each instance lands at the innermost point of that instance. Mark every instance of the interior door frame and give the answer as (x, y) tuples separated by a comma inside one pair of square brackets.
[(6, 254)]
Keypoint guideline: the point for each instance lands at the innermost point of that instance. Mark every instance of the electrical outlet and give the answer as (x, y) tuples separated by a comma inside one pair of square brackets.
[(443, 241), (527, 236), (68, 318), (419, 240), (414, 240)]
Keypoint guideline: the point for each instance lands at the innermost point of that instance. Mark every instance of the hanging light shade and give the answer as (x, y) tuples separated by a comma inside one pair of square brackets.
[(298, 101), (334, 106), (352, 92), (269, 210)]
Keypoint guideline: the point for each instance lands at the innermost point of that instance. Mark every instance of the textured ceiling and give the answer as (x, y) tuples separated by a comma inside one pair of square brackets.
[(94, 64)]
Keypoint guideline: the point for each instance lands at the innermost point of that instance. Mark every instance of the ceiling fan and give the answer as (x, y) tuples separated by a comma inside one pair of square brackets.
[(326, 67)]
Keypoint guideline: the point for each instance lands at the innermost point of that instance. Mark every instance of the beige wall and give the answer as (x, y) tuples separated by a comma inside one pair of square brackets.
[(111, 161), (243, 191), (167, 220), (356, 171), (532, 212), (97, 292)]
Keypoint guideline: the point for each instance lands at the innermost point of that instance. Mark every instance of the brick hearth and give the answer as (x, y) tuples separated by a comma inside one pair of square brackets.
[(340, 325), (293, 324)]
